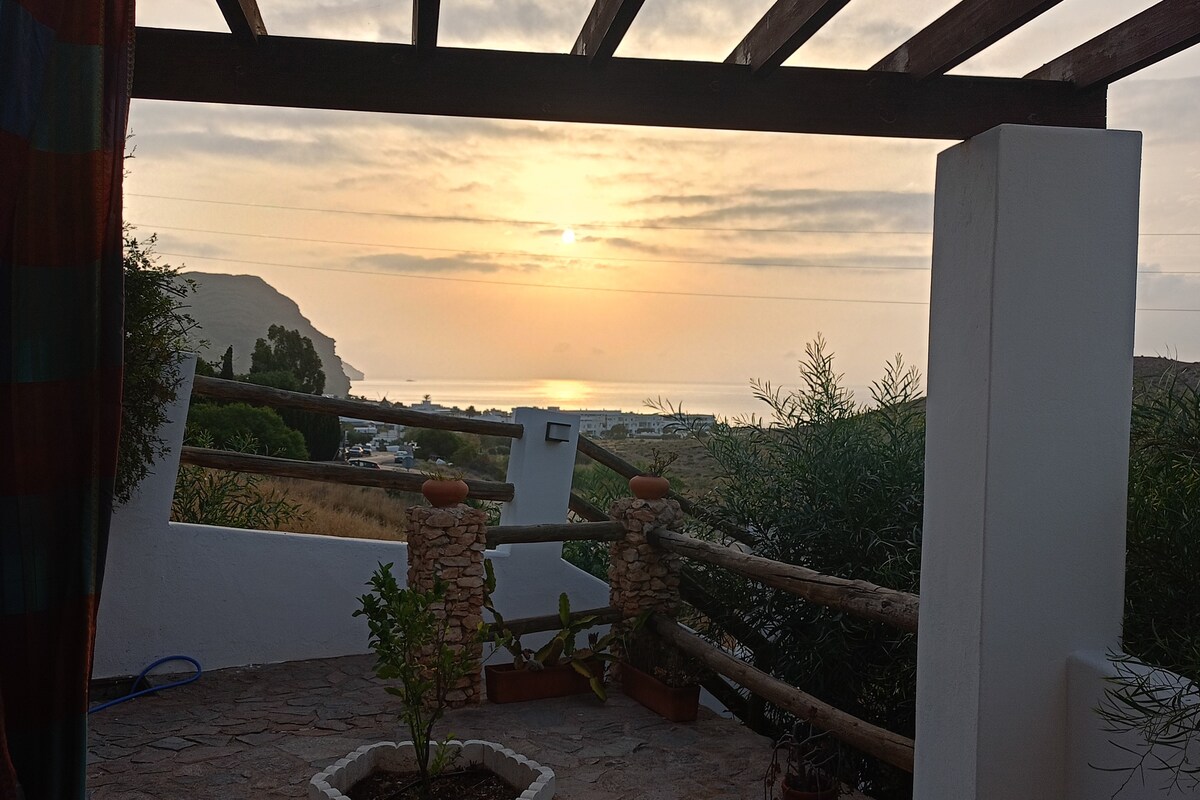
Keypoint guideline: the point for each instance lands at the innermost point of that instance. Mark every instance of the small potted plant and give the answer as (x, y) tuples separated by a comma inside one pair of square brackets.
[(658, 676), (652, 484), (557, 669), (444, 488), (808, 769), (412, 648)]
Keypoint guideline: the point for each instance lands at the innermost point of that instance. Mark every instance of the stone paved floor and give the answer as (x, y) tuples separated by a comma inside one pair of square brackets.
[(263, 732)]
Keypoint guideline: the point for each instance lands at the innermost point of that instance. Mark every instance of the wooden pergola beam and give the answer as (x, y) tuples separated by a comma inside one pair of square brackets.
[(1158, 32), (200, 66), (244, 20), (425, 24), (605, 27), (782, 30), (963, 31)]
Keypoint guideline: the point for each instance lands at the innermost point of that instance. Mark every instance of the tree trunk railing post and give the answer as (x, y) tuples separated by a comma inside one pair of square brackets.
[(448, 543)]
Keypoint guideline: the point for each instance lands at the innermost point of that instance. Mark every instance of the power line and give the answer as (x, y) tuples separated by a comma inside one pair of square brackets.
[(552, 224), (531, 285), (528, 254)]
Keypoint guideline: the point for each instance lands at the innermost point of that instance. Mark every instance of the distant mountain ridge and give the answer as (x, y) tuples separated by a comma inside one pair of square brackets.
[(237, 310)]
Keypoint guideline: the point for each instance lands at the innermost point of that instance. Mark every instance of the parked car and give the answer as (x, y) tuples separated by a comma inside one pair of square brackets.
[(366, 449), (361, 462), (355, 451)]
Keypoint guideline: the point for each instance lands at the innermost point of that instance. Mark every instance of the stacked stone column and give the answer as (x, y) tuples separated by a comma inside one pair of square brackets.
[(448, 543), (642, 577)]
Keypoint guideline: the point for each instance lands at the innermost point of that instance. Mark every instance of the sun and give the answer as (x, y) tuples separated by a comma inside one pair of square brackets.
[(568, 236)]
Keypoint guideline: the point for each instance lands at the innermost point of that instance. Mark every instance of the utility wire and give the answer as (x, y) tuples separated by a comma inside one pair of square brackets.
[(528, 254), (531, 285), (551, 224), (563, 257)]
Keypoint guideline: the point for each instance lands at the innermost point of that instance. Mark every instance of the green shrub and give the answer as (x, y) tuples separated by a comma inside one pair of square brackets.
[(227, 424), (228, 499), (156, 332)]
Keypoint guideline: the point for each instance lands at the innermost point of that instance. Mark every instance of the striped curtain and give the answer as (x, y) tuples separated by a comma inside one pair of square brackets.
[(64, 99)]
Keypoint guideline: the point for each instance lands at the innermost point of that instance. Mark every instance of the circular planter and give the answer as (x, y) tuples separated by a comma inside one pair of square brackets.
[(442, 494), (534, 781), (649, 487)]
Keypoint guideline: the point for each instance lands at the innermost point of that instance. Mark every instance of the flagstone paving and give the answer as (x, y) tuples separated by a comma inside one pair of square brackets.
[(262, 732)]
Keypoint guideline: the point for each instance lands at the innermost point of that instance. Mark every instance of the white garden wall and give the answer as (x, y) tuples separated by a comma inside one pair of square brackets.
[(231, 597)]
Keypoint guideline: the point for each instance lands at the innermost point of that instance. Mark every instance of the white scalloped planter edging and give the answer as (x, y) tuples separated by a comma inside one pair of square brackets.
[(400, 757)]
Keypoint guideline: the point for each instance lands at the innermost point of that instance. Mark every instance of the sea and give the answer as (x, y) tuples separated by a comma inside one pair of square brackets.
[(728, 400)]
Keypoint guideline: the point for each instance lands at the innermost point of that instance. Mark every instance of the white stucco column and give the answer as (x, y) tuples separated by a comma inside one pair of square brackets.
[(1030, 371)]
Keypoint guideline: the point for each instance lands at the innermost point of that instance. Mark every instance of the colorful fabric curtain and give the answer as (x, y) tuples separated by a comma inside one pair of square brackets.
[(64, 99)]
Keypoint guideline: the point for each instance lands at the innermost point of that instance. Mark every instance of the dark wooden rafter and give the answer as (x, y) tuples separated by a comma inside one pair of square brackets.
[(783, 29), (605, 27), (196, 66), (1158, 32), (244, 20), (964, 30), (425, 24)]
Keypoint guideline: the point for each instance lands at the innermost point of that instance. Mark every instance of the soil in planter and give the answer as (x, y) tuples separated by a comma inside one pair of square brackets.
[(473, 783)]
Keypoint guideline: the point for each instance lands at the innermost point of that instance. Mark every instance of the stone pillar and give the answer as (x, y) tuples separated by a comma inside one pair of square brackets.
[(448, 543), (642, 577), (1027, 450)]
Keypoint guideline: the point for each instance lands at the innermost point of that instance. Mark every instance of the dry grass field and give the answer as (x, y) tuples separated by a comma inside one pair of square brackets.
[(694, 466), (334, 509)]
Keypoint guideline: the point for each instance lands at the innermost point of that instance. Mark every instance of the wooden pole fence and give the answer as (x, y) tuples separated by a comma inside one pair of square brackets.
[(604, 615), (359, 409), (329, 472), (891, 747), (555, 532), (626, 470), (858, 598)]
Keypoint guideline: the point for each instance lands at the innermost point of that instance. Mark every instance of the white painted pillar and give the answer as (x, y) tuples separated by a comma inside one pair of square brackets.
[(531, 576), (1030, 371)]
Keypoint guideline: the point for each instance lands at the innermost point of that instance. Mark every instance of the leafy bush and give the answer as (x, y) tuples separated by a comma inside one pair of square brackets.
[(156, 332), (228, 499), (838, 488), (412, 647), (227, 424)]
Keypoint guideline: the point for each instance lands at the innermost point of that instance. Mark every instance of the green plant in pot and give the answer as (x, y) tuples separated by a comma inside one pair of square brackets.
[(657, 675), (808, 770), (444, 488), (652, 484), (411, 646), (556, 669)]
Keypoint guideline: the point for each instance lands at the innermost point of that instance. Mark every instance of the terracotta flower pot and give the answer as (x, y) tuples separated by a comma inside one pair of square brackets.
[(677, 705), (506, 684), (649, 487), (442, 493), (828, 792)]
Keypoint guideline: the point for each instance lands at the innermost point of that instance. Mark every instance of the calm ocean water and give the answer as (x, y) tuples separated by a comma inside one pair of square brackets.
[(722, 399)]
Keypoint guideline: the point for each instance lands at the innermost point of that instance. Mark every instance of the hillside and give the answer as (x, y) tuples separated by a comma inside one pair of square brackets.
[(237, 310)]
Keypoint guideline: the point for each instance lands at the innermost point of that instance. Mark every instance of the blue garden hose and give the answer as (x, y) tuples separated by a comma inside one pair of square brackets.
[(152, 689)]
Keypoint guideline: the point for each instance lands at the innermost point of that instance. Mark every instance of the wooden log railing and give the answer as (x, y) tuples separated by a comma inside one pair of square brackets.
[(326, 471), (890, 747), (555, 532), (605, 615), (600, 455), (359, 409), (858, 598)]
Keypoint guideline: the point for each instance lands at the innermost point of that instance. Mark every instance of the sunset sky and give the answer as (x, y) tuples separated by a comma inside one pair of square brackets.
[(434, 247)]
